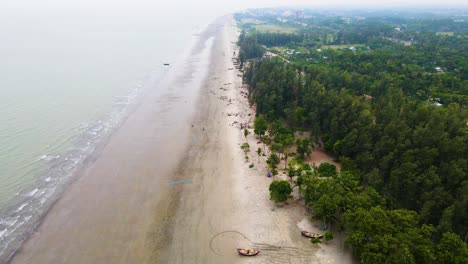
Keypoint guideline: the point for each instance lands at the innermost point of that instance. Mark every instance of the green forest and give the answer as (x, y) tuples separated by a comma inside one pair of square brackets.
[(392, 109)]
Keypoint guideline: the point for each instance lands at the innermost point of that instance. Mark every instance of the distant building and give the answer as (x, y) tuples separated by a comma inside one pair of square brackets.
[(435, 101), (300, 14), (287, 13), (282, 20), (269, 54), (439, 70)]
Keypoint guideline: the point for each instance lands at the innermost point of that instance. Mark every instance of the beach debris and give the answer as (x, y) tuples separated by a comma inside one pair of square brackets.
[(174, 182)]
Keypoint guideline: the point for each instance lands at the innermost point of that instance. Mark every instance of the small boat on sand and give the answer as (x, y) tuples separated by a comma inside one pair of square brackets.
[(311, 234), (247, 252)]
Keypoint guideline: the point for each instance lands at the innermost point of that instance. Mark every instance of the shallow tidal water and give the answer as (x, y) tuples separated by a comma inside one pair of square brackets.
[(68, 78)]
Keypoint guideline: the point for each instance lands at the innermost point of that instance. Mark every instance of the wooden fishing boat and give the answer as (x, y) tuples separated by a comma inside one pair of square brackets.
[(247, 252), (311, 234)]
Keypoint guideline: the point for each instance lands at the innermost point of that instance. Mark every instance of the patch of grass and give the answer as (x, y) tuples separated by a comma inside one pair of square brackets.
[(445, 33), (406, 43), (251, 21), (329, 38), (274, 28)]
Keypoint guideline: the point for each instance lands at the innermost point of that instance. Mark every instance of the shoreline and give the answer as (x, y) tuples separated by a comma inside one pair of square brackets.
[(60, 169), (172, 185), (166, 110)]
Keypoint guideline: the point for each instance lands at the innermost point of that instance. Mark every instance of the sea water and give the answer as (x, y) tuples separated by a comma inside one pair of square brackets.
[(68, 77)]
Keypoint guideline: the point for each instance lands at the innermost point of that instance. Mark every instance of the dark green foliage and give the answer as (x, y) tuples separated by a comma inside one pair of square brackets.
[(245, 147), (260, 125), (402, 195), (327, 235), (249, 48), (277, 39), (413, 153), (259, 153), (315, 240), (303, 147), (273, 161), (451, 249), (246, 133), (280, 191), (326, 169), (389, 236)]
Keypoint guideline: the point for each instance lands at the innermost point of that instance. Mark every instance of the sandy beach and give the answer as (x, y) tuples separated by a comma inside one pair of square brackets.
[(172, 186)]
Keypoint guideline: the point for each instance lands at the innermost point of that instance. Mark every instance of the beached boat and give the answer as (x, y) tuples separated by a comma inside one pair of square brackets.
[(247, 252), (311, 234)]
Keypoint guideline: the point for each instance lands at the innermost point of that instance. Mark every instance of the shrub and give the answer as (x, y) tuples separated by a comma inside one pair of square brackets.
[(280, 191), (327, 170), (328, 235), (315, 240)]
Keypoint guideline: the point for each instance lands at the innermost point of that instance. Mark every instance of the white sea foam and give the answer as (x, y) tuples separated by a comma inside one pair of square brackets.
[(48, 157), (31, 193), (21, 207), (2, 233), (10, 221)]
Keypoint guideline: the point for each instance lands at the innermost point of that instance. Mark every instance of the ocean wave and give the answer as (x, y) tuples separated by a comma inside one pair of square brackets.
[(31, 193), (48, 157), (21, 207)]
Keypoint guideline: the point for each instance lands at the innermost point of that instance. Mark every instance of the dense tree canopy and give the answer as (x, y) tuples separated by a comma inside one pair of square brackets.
[(402, 195)]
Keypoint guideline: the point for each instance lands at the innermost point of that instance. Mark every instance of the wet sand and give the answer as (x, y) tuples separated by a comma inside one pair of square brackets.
[(106, 214), (172, 185)]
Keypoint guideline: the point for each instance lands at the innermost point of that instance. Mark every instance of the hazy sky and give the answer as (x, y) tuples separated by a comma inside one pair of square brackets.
[(227, 5)]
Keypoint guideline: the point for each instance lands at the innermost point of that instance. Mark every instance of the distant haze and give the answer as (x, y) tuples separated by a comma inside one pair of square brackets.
[(223, 6)]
